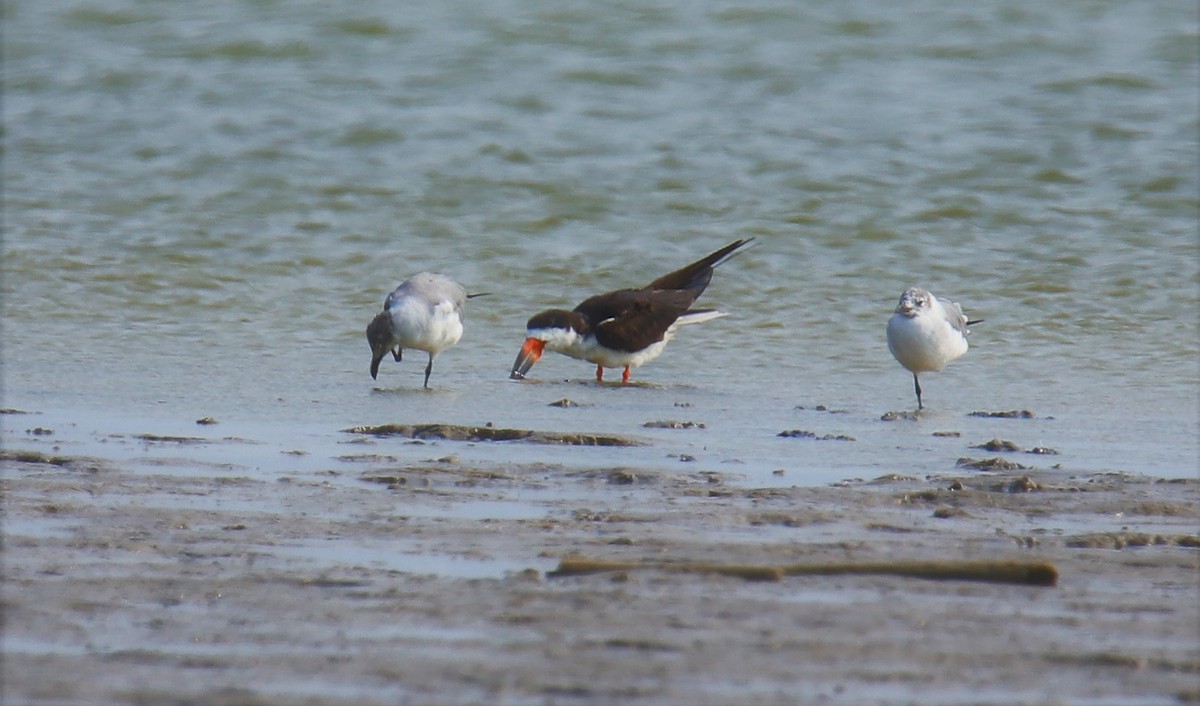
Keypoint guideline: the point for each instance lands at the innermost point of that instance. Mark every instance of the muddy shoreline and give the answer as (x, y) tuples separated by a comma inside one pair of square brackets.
[(427, 583)]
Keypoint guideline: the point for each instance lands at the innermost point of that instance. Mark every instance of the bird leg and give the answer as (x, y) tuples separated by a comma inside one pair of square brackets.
[(625, 375), (917, 385), (428, 370), (599, 373), (396, 353)]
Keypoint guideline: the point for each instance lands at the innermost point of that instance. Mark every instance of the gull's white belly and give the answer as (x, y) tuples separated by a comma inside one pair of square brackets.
[(924, 343), (415, 327)]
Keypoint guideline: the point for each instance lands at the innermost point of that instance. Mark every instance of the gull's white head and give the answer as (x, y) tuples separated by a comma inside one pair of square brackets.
[(914, 301)]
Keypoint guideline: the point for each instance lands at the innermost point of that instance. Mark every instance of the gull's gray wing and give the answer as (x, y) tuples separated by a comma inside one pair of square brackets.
[(431, 289), (954, 315)]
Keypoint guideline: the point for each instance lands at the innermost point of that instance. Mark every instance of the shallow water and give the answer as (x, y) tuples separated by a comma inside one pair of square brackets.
[(204, 206)]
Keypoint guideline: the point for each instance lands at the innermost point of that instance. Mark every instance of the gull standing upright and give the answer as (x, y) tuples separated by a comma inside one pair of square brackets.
[(625, 328), (425, 312), (926, 333)]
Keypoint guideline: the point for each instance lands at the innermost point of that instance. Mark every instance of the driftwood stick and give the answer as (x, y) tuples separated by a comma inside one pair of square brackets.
[(1032, 573), (1016, 572)]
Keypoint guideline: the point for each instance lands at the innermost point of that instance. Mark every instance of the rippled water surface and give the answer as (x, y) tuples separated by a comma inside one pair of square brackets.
[(204, 204)]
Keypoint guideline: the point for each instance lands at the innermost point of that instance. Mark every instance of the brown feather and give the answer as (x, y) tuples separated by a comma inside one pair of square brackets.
[(697, 275), (642, 318)]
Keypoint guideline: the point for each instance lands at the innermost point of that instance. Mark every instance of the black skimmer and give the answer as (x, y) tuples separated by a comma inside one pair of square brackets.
[(425, 312), (926, 333), (625, 328)]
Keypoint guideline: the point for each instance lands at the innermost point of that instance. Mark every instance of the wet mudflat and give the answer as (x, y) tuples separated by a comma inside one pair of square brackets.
[(194, 582)]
